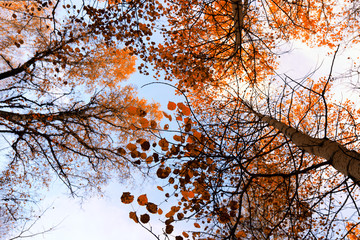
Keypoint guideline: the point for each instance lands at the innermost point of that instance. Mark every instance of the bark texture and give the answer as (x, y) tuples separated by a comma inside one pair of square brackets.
[(342, 159)]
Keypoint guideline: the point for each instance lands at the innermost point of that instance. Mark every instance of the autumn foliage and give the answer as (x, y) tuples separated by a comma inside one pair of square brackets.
[(65, 111), (240, 178), (235, 174), (251, 156)]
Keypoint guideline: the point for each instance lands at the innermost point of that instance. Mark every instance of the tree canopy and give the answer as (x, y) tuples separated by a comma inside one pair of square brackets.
[(257, 155), (250, 162)]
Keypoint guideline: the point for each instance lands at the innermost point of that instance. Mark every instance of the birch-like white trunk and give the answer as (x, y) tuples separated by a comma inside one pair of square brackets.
[(345, 161)]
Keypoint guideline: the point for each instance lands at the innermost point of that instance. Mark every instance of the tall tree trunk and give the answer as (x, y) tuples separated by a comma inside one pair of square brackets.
[(239, 9), (345, 161)]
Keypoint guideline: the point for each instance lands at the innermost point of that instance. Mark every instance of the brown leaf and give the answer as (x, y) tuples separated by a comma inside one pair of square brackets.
[(163, 172), (156, 157), (151, 207), (145, 146), (180, 216), (169, 229), (127, 198), (121, 151), (145, 218), (142, 113)]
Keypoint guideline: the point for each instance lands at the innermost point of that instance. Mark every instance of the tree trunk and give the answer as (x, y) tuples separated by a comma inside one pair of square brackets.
[(239, 10), (345, 161)]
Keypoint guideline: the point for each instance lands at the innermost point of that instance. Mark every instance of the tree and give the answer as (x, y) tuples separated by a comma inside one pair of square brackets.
[(207, 42), (257, 169), (250, 162), (65, 112), (238, 163)]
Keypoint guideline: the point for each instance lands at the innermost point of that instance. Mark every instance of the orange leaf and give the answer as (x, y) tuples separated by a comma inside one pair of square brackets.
[(160, 188), (144, 122), (186, 111), (132, 110), (197, 225), (170, 214), (163, 143), (131, 146), (167, 116), (197, 135), (241, 234), (149, 159), (181, 105), (187, 194), (171, 106), (142, 200), (133, 216), (177, 138)]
